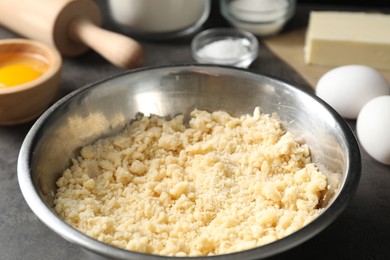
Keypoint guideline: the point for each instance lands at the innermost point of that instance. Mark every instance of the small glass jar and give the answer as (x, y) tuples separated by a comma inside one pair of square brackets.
[(225, 46), (260, 17), (159, 19)]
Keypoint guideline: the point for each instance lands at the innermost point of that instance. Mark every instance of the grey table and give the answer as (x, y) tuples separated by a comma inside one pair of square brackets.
[(362, 231)]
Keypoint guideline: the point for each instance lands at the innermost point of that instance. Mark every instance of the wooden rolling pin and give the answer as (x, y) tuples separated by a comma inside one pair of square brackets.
[(72, 26)]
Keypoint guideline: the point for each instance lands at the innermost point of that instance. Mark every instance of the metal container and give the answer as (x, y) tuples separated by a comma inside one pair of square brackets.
[(103, 108), (159, 19)]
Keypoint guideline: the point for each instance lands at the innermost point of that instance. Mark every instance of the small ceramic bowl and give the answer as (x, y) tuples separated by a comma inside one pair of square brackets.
[(26, 101), (225, 46)]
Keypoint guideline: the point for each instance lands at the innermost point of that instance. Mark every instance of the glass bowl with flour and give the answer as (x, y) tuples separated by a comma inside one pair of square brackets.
[(260, 17)]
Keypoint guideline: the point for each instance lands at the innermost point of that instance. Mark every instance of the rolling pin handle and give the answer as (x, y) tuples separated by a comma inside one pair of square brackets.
[(120, 50)]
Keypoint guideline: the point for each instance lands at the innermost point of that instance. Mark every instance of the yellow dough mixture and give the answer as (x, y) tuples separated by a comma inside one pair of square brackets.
[(216, 185)]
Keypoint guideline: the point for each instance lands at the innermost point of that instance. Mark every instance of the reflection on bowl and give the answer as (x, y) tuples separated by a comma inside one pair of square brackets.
[(104, 108)]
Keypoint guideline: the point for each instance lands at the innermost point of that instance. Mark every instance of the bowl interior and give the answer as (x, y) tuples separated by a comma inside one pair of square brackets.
[(102, 109)]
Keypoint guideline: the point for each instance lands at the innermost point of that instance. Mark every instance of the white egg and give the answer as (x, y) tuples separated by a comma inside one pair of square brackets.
[(373, 128), (348, 88)]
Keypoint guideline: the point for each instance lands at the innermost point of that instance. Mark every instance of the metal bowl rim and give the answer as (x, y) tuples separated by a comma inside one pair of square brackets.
[(53, 221)]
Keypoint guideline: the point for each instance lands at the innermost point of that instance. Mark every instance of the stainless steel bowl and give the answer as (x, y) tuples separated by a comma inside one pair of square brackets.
[(103, 108)]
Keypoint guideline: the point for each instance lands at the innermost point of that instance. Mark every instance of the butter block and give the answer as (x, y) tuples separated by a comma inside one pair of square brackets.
[(341, 38)]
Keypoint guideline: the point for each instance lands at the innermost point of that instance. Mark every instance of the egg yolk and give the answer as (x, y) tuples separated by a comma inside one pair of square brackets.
[(17, 68), (17, 74)]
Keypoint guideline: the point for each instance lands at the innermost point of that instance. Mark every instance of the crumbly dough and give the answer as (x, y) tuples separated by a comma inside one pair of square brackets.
[(219, 185)]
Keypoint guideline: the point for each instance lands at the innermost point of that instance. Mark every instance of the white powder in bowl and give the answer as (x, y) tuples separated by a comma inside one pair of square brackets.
[(229, 48)]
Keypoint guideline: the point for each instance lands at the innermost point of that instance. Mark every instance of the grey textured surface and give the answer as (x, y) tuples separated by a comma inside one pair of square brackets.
[(361, 232)]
